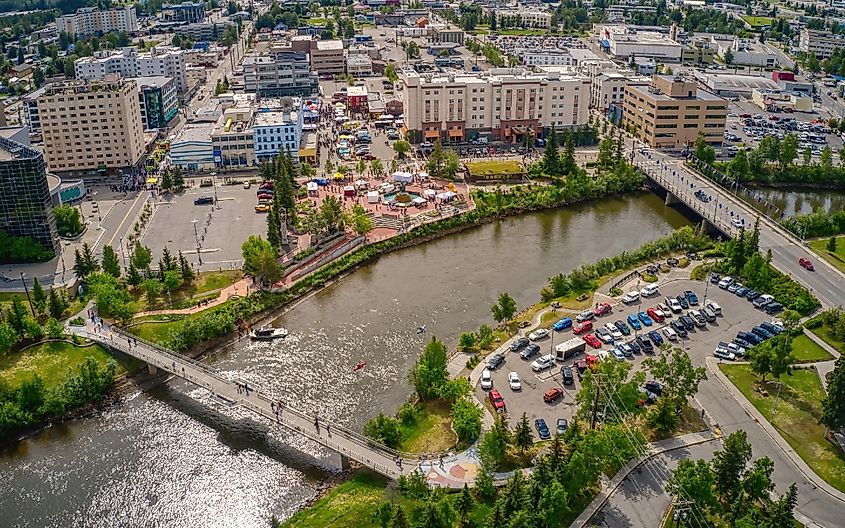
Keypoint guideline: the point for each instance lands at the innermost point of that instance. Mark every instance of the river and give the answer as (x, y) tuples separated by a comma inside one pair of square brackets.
[(797, 201), (170, 457)]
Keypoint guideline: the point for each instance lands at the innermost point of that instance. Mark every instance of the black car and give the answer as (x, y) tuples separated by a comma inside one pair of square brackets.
[(645, 345), (772, 329), (530, 351), (204, 200), (635, 346), (519, 344), (679, 329), (495, 361), (622, 327), (742, 342), (752, 294), (682, 300), (749, 338), (687, 321), (773, 308), (762, 332), (566, 373), (653, 386)]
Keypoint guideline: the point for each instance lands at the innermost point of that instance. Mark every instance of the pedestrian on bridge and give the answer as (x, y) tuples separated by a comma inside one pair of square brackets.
[(317, 424)]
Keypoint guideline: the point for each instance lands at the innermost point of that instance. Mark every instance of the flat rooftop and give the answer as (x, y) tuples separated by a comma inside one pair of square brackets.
[(740, 82), (195, 132), (327, 45), (274, 117)]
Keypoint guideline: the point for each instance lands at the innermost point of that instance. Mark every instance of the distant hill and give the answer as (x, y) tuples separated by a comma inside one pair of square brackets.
[(65, 6)]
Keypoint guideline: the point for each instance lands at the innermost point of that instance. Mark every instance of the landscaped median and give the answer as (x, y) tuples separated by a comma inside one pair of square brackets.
[(794, 409)]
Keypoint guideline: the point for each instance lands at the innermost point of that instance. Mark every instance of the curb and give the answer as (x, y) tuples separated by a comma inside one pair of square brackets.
[(776, 437)]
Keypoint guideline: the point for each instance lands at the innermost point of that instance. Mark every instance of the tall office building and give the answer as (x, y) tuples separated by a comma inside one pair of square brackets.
[(26, 208), (279, 73), (164, 61), (90, 21), (91, 125)]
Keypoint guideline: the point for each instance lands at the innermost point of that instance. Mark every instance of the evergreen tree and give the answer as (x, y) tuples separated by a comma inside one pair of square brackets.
[(729, 465), (399, 520), (166, 182), (551, 158), (16, 316), (111, 265), (185, 269), (133, 276), (522, 434), (178, 179), (464, 504), (167, 262), (484, 483), (833, 405), (56, 305), (754, 241), (91, 263), (39, 296)]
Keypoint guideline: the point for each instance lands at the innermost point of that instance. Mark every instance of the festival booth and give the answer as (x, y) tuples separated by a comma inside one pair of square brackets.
[(349, 191), (373, 197), (312, 188), (419, 201), (322, 182), (403, 177), (387, 188), (337, 176), (446, 197), (429, 194), (362, 185)]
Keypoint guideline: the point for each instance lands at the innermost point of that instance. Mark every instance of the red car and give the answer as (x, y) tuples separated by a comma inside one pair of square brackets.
[(580, 328), (806, 264), (497, 401), (654, 315), (552, 394), (592, 340), (603, 308)]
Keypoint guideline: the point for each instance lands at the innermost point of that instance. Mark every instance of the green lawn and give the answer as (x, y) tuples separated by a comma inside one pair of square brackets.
[(432, 433), (51, 361), (824, 332), (203, 288), (796, 418), (836, 259), (153, 331), (757, 21), (503, 167), (805, 350), (351, 505)]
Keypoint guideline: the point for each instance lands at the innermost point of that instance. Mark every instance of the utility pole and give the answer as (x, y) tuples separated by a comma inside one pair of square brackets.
[(28, 298), (595, 404), (197, 238)]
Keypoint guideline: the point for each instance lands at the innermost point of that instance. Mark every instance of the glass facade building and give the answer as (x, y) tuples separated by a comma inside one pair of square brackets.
[(26, 208)]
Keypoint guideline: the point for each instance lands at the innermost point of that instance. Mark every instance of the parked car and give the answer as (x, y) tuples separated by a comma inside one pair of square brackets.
[(634, 322), (771, 328), (737, 350), (655, 337), (713, 307), (262, 208), (514, 382), (645, 319), (708, 314), (497, 401), (622, 327), (773, 308), (530, 351), (519, 343), (645, 345), (734, 287), (562, 425), (714, 278), (618, 354), (750, 295), (806, 264), (631, 297), (691, 297), (762, 301), (204, 200), (544, 362), (495, 361), (762, 332), (602, 308), (697, 318), (724, 282), (682, 300), (674, 305), (592, 340), (670, 333), (542, 429), (654, 315), (627, 349), (724, 354), (604, 335), (566, 374), (649, 290), (614, 331), (486, 379), (538, 334), (562, 324), (552, 395), (586, 315), (741, 291), (580, 328), (679, 329), (687, 321), (653, 386), (749, 338)]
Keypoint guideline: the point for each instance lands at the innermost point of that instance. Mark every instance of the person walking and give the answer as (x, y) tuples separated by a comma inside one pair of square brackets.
[(317, 424)]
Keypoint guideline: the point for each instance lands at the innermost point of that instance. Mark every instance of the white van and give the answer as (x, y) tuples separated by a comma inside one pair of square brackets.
[(649, 290)]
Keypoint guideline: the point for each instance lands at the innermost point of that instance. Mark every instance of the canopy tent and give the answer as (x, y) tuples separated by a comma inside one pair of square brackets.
[(429, 193), (419, 201), (321, 181), (361, 184), (423, 175), (152, 181), (403, 177), (349, 190), (373, 197), (337, 176), (311, 186), (446, 196)]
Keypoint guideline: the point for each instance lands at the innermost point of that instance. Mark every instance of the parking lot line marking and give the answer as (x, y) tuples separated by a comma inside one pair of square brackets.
[(131, 208)]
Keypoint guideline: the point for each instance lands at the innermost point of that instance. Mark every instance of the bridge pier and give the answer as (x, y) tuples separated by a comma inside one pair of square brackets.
[(345, 463), (706, 227), (671, 199), (152, 369)]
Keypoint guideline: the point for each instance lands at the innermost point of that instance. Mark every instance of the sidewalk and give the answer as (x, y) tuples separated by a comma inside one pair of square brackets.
[(242, 288), (608, 488), (822, 343), (809, 474)]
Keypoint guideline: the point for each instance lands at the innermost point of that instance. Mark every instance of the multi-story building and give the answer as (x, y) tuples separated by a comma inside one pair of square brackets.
[(26, 208), (743, 51), (671, 112), (359, 65), (91, 125), (90, 20), (530, 18), (619, 12), (444, 33), (279, 73), (608, 88), (203, 31), (699, 52), (820, 43), (232, 139), (158, 99), (278, 128), (327, 57), (184, 12), (164, 61), (30, 106), (508, 103), (624, 41), (191, 148)]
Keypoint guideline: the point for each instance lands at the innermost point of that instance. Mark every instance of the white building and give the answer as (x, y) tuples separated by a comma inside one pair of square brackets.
[(128, 62), (820, 43), (743, 51), (191, 148), (623, 41), (278, 128), (359, 65), (90, 20), (505, 102)]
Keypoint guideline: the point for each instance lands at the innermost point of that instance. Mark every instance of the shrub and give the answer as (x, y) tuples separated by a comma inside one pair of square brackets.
[(683, 263), (409, 413), (616, 291), (384, 429), (700, 272), (77, 321), (648, 277)]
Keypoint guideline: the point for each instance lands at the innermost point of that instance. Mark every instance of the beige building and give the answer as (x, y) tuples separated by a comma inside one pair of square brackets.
[(822, 44), (91, 125), (608, 87), (232, 139), (90, 21), (671, 112), (508, 103), (327, 57)]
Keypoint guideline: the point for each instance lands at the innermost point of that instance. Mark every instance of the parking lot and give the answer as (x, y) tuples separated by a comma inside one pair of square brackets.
[(221, 228), (737, 314)]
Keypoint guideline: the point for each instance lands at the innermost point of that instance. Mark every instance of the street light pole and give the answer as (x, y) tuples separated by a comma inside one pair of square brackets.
[(197, 238), (28, 298)]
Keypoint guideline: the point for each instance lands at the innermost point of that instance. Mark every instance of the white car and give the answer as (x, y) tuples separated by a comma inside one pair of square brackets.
[(738, 223), (602, 354), (674, 305), (778, 323), (613, 330), (663, 309), (513, 381), (721, 353), (670, 333), (538, 334), (486, 379), (631, 297), (725, 282), (713, 307), (542, 363), (649, 290)]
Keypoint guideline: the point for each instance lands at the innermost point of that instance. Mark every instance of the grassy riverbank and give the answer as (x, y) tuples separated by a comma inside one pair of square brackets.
[(796, 417), (835, 258)]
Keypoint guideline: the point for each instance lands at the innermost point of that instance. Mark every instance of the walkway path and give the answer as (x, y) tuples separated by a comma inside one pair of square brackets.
[(242, 288)]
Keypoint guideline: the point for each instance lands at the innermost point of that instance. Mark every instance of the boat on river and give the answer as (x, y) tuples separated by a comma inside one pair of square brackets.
[(268, 333)]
